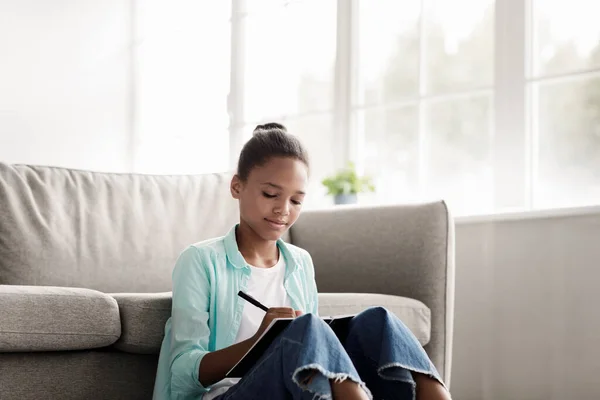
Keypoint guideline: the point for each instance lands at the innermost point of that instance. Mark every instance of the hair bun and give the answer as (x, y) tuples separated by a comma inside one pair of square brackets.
[(269, 126)]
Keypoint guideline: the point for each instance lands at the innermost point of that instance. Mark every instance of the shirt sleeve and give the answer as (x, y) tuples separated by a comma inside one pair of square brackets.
[(189, 322), (313, 294)]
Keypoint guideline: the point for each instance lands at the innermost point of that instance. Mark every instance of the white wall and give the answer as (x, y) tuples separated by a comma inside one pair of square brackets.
[(527, 312), (65, 84)]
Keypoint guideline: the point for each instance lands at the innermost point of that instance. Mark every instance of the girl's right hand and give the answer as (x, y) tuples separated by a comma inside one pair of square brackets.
[(275, 312)]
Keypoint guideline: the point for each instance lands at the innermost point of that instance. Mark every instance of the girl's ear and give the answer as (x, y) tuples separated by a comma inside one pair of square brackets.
[(235, 187)]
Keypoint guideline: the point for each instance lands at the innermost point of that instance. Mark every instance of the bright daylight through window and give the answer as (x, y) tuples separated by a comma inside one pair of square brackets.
[(490, 105)]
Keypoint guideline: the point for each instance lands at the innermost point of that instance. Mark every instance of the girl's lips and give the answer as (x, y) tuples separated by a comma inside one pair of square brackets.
[(275, 224)]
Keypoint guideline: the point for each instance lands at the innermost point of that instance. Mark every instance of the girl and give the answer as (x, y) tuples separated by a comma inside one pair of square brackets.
[(211, 328)]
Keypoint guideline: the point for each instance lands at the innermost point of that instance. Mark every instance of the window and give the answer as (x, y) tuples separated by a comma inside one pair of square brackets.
[(492, 105), (424, 101), (181, 53), (287, 69), (564, 81)]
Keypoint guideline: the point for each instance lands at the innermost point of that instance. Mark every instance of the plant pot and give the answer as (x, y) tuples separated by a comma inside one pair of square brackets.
[(345, 199)]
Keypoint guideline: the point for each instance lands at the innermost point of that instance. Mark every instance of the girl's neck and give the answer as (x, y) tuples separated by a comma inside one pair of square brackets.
[(255, 250)]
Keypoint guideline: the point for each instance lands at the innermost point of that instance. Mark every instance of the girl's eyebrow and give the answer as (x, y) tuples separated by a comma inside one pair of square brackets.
[(279, 187)]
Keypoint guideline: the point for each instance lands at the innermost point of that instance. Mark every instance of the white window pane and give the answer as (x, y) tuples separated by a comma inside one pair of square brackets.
[(265, 6), (459, 44), (566, 36), (154, 19), (391, 152), (388, 50), (290, 54), (459, 157), (568, 120), (181, 118)]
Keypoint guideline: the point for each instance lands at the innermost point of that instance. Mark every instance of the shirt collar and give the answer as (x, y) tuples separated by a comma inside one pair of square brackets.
[(237, 260)]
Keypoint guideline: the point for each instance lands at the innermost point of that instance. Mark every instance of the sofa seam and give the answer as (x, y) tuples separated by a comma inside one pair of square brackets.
[(99, 172), (447, 353), (78, 296), (122, 305), (59, 334)]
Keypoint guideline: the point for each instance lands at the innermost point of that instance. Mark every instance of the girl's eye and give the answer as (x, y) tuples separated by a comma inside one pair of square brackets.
[(296, 202), (269, 196)]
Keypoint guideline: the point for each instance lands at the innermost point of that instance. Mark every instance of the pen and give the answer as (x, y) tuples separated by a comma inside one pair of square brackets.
[(253, 301)]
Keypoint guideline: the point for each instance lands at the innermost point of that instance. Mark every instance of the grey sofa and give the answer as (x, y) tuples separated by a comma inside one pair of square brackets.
[(86, 259)]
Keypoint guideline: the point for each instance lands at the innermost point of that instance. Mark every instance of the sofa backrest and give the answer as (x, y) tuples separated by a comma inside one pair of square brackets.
[(104, 231)]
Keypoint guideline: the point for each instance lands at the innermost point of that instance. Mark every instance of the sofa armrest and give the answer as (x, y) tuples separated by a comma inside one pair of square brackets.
[(403, 250), (44, 318)]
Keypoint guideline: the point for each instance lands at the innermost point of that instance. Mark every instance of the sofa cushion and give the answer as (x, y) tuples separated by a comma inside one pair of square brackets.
[(415, 315), (143, 316), (105, 231), (41, 318)]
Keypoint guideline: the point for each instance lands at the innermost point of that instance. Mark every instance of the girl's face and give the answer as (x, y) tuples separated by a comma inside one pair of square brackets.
[(272, 196)]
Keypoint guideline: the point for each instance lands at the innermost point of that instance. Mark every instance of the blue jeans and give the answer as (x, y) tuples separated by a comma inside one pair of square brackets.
[(379, 353)]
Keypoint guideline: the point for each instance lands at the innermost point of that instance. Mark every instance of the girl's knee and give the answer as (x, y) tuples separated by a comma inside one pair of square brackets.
[(378, 316), (308, 321), (377, 312), (308, 326)]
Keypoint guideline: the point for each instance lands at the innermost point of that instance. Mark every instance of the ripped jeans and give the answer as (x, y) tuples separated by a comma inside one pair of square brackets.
[(379, 353)]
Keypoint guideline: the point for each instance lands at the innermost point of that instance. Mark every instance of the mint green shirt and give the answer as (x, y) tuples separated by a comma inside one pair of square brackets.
[(206, 311)]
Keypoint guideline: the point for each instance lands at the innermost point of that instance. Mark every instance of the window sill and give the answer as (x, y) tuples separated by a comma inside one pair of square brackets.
[(529, 214)]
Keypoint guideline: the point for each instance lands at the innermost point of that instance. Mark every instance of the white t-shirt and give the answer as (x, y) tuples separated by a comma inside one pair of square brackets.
[(266, 286)]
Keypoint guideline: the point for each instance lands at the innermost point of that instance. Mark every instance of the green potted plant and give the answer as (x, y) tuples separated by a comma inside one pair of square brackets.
[(346, 184)]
